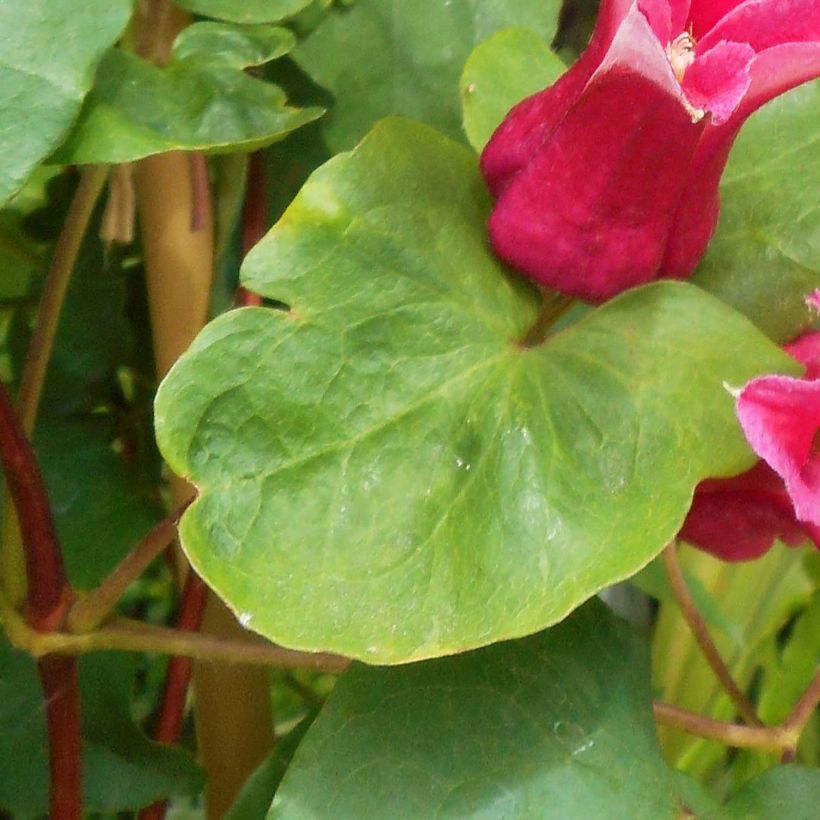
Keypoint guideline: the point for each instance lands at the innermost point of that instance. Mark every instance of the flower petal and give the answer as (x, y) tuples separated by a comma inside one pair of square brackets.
[(806, 350), (704, 14), (719, 78), (780, 417), (530, 123), (764, 24), (738, 519)]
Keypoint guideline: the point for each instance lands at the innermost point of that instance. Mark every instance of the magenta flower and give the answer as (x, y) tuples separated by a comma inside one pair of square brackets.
[(609, 178), (737, 519)]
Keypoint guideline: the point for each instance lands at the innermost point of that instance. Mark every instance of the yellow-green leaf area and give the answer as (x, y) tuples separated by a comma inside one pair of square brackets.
[(385, 472)]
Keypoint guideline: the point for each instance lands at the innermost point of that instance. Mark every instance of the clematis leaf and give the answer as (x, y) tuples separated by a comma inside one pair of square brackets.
[(785, 791), (389, 465), (405, 56), (765, 256), (501, 72), (555, 726), (245, 11), (202, 101), (41, 97)]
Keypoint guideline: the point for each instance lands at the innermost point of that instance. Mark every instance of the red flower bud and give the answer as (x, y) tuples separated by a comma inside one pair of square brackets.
[(609, 178)]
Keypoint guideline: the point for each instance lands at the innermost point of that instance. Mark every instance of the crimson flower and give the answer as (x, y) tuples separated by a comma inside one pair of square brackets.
[(609, 178), (738, 518)]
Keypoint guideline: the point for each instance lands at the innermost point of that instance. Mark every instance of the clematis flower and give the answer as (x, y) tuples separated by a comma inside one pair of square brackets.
[(609, 178), (738, 519)]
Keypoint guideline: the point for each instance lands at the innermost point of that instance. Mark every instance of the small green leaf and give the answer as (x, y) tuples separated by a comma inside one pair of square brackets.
[(122, 769), (202, 101), (405, 56), (391, 466), (245, 11), (48, 53), (556, 726), (765, 256), (511, 65), (783, 792)]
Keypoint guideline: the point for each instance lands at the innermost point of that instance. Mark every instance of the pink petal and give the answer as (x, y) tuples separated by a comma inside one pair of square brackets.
[(780, 417), (738, 519), (773, 72), (764, 24), (659, 16), (530, 123), (806, 350), (813, 301), (718, 79), (678, 15)]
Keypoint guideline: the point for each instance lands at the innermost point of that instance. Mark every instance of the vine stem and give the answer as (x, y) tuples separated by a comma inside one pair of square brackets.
[(169, 720), (47, 600), (90, 611), (67, 248), (703, 638), (759, 738)]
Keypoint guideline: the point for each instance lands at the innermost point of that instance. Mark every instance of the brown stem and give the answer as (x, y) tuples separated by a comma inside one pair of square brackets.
[(89, 612), (169, 720), (58, 677), (254, 220), (703, 638), (760, 738), (800, 716)]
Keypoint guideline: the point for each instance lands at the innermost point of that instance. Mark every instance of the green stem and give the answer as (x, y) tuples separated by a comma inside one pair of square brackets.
[(703, 638), (553, 306)]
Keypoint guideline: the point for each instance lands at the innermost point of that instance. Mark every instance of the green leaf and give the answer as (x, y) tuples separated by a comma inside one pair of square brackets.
[(245, 11), (48, 53), (765, 256), (388, 464), (511, 65), (202, 101), (405, 56), (122, 769), (784, 792), (557, 725), (256, 795)]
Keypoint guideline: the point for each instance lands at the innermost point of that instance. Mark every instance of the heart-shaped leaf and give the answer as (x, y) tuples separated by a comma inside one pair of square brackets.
[(203, 101), (386, 471), (556, 726), (41, 95), (501, 72), (405, 56)]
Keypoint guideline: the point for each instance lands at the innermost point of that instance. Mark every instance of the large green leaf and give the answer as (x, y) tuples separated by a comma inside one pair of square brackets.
[(386, 472), (202, 101), (785, 792), (501, 72), (49, 50), (405, 56), (122, 769), (557, 725), (766, 254), (245, 11)]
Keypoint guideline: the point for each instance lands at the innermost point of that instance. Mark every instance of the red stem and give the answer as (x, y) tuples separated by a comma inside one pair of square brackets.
[(58, 677), (47, 600), (48, 592), (254, 219), (169, 720)]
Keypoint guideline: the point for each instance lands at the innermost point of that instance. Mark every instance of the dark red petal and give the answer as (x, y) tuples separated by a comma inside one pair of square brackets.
[(780, 417), (530, 123), (764, 24), (704, 14), (738, 519), (718, 79), (806, 350)]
